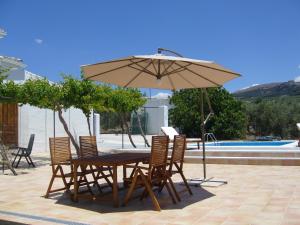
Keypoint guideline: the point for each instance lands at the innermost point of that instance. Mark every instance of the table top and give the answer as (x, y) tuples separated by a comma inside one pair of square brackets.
[(113, 159)]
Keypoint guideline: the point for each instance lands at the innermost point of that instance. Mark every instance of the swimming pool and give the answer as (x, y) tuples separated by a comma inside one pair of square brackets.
[(249, 143)]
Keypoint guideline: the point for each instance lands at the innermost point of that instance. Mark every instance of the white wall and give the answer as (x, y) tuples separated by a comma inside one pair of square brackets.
[(157, 118), (157, 110), (33, 120)]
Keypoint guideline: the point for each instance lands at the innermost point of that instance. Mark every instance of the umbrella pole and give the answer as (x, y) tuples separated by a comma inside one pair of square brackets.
[(203, 134), (196, 181)]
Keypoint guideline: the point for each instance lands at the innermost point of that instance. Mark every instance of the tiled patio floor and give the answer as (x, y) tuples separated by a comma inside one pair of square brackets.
[(254, 195)]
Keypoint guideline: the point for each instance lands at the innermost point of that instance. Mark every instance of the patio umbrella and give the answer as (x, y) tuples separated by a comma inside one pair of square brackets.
[(162, 71)]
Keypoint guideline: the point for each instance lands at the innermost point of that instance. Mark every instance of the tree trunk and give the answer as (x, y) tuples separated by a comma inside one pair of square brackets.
[(123, 118), (88, 123), (141, 129), (62, 120)]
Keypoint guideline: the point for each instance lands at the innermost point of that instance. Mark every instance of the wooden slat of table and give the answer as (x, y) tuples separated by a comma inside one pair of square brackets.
[(113, 160)]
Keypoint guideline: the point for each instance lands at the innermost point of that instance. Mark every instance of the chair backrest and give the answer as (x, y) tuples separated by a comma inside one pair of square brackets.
[(169, 131), (30, 144), (179, 148), (60, 150), (159, 153), (88, 146)]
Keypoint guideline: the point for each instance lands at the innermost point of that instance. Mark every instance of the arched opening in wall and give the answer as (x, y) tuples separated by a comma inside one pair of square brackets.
[(9, 123)]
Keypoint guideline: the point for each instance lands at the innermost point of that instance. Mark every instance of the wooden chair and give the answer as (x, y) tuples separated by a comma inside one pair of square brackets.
[(61, 157), (154, 174), (176, 162), (88, 148), (25, 152)]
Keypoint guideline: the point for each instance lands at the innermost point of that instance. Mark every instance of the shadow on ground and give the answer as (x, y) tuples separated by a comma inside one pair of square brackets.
[(6, 222), (105, 203), (24, 168)]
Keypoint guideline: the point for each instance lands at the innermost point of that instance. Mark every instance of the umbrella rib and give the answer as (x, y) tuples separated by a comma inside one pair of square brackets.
[(199, 75), (169, 78), (143, 68), (120, 67), (225, 71), (136, 76), (185, 80), (154, 66), (180, 69), (166, 69)]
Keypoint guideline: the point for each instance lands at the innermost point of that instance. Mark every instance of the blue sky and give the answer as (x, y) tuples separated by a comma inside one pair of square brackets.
[(259, 39)]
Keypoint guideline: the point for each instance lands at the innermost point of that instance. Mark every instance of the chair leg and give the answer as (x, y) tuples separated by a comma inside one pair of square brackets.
[(31, 162), (170, 193), (87, 184), (106, 178), (95, 179), (131, 188), (18, 161), (174, 189), (184, 179), (27, 160), (16, 157), (67, 186), (161, 187), (51, 182), (150, 192), (11, 168)]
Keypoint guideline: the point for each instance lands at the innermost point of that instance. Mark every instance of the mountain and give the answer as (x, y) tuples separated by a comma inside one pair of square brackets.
[(290, 88)]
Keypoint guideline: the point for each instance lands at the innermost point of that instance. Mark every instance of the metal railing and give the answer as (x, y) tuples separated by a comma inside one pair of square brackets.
[(212, 137)]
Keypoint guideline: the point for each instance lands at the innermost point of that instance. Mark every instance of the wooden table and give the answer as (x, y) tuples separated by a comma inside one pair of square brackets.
[(112, 160)]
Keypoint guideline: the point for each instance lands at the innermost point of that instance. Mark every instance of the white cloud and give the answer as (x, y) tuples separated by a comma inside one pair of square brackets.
[(162, 95), (297, 79), (38, 41)]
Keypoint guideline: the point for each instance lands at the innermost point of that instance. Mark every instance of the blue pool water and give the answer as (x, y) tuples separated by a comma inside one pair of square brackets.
[(249, 143)]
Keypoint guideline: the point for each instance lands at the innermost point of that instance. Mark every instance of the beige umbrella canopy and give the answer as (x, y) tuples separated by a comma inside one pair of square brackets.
[(159, 71), (163, 72)]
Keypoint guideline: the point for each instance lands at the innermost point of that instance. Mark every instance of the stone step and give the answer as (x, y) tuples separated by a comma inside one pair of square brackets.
[(282, 161)]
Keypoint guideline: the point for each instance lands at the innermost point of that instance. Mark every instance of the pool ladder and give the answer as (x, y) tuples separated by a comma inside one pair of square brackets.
[(212, 137)]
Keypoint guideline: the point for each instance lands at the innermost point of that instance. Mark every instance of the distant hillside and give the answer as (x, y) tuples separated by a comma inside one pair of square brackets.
[(289, 88)]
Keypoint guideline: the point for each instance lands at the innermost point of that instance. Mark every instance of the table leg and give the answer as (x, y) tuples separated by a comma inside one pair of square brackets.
[(124, 176), (75, 198), (115, 187)]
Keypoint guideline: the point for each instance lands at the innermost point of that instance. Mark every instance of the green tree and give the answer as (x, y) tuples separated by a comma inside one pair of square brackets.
[(85, 95), (228, 122), (275, 116), (43, 94), (8, 89), (124, 101)]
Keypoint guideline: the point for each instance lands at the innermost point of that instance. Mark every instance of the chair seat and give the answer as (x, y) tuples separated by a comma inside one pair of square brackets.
[(20, 154)]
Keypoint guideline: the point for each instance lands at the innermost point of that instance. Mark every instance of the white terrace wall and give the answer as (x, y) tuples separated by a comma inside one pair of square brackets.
[(33, 120)]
